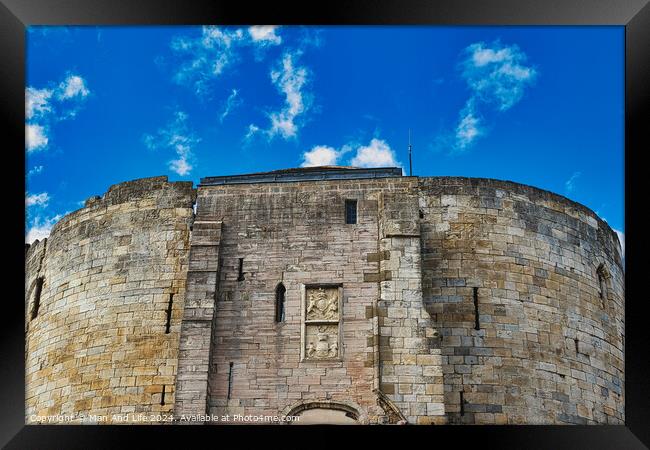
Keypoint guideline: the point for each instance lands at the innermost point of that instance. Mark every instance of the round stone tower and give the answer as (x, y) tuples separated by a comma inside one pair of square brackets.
[(527, 288), (104, 300), (449, 300)]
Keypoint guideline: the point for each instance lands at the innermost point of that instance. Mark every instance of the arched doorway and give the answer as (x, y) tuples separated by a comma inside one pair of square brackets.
[(319, 416), (326, 412)]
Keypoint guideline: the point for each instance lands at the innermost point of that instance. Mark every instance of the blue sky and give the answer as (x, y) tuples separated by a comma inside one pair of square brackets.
[(537, 105)]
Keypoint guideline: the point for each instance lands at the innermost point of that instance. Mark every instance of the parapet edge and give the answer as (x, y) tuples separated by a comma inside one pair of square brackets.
[(320, 173), (126, 191), (524, 189)]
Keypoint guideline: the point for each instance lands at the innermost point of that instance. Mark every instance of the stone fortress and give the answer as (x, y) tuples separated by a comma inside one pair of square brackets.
[(335, 294)]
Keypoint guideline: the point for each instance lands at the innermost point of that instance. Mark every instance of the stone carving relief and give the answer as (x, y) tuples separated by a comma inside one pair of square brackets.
[(322, 341), (322, 323), (322, 304)]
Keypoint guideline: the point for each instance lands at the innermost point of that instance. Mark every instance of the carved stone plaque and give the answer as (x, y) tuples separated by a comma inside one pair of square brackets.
[(322, 304), (322, 341), (321, 338)]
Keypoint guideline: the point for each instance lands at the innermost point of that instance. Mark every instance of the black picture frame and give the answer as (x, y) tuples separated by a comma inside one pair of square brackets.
[(634, 15)]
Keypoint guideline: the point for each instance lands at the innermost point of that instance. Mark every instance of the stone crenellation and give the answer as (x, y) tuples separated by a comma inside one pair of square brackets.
[(448, 300)]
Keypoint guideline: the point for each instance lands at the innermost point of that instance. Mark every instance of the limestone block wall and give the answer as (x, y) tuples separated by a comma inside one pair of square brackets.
[(294, 234), (196, 328), (527, 289), (462, 300), (100, 343), (410, 358)]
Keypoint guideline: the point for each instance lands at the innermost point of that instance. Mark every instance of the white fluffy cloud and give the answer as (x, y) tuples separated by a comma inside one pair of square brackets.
[(265, 34), (41, 228), (497, 74), (468, 128), (41, 199), (35, 137), (482, 56), (376, 154), (37, 102), (497, 77), (72, 86), (48, 105), (252, 131), (289, 80), (204, 58), (180, 165), (43, 108), (177, 136), (321, 155)]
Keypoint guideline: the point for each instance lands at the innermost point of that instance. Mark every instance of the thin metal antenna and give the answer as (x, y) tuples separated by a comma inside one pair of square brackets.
[(410, 160)]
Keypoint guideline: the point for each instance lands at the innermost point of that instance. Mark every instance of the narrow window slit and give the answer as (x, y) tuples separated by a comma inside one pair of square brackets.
[(280, 292), (162, 396), (37, 297), (240, 277), (193, 216), (462, 403), (350, 211), (602, 284), (477, 324), (230, 380), (169, 313), (576, 342)]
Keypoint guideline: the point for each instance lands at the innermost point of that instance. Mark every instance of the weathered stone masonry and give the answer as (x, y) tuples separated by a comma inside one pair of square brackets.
[(295, 234), (99, 343), (549, 349), (461, 301)]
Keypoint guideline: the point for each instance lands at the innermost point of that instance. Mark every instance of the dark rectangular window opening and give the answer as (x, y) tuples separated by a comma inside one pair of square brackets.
[(477, 324), (350, 211), (240, 277), (169, 313), (37, 297), (230, 380), (602, 284), (162, 396), (193, 215), (280, 292), (462, 404)]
